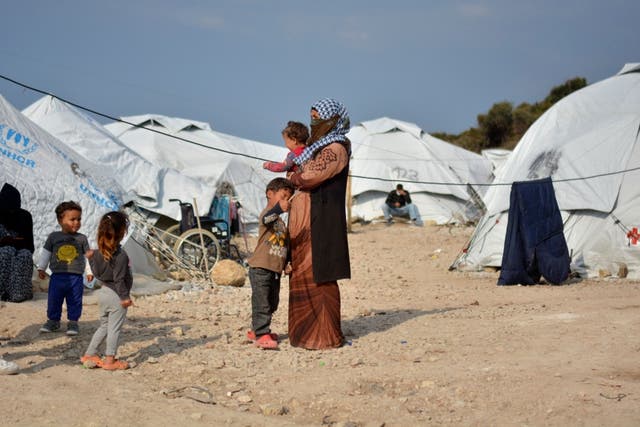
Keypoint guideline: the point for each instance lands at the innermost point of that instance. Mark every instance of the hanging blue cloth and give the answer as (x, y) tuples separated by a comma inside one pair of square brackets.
[(220, 208), (534, 244)]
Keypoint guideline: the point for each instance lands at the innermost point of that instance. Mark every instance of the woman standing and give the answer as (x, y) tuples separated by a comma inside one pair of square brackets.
[(318, 230), (16, 247)]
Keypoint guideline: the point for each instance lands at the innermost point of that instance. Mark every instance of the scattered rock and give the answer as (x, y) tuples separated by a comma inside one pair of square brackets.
[(623, 270), (89, 364), (244, 398), (179, 275), (356, 362), (217, 363), (603, 272), (227, 272), (273, 409)]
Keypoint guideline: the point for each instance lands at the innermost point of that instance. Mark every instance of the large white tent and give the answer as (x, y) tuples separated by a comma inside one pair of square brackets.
[(151, 186), (47, 172), (433, 171), (497, 157), (197, 151), (588, 144)]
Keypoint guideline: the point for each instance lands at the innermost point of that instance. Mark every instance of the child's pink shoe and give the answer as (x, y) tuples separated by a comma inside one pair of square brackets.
[(116, 365), (92, 361), (266, 342), (251, 336)]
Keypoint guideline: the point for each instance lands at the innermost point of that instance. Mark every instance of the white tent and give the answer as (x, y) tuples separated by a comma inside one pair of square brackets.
[(497, 157), (588, 144), (151, 186), (197, 151), (47, 172), (433, 171)]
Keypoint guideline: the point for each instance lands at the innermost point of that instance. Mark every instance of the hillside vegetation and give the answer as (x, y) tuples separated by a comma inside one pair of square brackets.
[(503, 125)]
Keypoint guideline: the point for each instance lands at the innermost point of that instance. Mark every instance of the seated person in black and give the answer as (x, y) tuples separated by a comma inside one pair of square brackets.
[(16, 247)]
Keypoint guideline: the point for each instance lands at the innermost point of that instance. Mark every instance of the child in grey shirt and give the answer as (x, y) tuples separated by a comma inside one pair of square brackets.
[(110, 263)]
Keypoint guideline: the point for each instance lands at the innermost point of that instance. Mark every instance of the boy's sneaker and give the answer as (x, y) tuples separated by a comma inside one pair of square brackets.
[(50, 326), (8, 368), (266, 342), (72, 328), (389, 222)]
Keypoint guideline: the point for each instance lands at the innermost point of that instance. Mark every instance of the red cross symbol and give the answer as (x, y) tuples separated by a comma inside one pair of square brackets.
[(633, 235)]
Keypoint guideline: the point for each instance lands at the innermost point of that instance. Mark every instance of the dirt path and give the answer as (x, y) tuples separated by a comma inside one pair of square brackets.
[(425, 347)]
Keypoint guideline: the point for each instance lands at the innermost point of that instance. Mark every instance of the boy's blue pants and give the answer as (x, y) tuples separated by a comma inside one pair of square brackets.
[(65, 286)]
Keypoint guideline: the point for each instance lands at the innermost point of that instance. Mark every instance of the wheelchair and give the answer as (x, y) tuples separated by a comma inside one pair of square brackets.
[(184, 238)]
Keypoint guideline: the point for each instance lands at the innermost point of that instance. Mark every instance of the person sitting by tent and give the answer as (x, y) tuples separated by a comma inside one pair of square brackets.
[(398, 203), (16, 247)]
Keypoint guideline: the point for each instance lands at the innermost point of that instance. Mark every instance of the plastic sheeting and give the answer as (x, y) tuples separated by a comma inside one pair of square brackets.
[(588, 144)]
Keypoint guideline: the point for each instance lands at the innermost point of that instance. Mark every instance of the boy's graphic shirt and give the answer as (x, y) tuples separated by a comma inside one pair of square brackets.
[(273, 242), (67, 252)]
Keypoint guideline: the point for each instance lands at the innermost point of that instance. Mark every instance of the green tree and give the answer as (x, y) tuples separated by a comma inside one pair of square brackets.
[(559, 92), (523, 116), (503, 126), (496, 124), (471, 139)]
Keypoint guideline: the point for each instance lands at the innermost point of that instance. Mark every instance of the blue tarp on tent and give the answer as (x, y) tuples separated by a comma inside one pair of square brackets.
[(534, 245)]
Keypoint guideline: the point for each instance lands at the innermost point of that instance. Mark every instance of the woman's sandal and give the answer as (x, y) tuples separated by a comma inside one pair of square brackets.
[(115, 366), (92, 361)]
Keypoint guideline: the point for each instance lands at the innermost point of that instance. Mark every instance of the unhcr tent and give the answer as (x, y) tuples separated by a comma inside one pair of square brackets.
[(433, 171), (150, 186), (199, 152), (588, 144), (47, 172)]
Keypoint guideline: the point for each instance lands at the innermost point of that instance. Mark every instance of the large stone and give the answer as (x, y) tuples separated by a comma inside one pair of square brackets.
[(227, 272), (623, 270)]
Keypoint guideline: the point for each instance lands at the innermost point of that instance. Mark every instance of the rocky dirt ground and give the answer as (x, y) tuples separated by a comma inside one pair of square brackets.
[(425, 346)]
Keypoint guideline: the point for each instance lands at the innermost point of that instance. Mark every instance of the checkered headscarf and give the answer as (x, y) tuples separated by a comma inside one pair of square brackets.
[(327, 108)]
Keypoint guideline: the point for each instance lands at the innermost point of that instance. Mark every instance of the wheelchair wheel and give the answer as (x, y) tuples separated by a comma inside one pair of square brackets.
[(170, 235), (188, 248)]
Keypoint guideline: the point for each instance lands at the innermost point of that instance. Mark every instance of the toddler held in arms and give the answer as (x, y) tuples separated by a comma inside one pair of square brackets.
[(295, 136)]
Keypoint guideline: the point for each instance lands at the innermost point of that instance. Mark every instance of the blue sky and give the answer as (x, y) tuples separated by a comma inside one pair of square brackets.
[(248, 66)]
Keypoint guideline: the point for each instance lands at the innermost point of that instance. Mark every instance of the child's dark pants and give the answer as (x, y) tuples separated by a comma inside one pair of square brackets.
[(265, 296)]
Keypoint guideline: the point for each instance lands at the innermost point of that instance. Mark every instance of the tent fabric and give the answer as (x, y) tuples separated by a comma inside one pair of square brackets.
[(497, 157), (433, 171), (47, 172), (588, 144), (216, 159), (534, 243), (150, 186)]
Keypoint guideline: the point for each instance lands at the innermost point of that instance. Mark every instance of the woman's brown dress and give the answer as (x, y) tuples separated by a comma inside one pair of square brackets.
[(314, 308)]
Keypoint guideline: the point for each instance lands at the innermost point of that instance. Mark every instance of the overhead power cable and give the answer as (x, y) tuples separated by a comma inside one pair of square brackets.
[(233, 153), (116, 119)]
